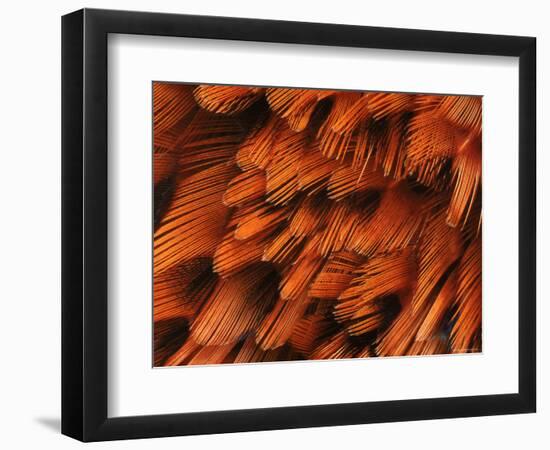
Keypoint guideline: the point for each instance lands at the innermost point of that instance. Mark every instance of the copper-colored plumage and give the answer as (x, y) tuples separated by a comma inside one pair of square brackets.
[(314, 224)]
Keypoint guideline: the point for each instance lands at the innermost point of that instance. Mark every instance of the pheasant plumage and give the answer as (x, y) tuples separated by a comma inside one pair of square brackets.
[(296, 224)]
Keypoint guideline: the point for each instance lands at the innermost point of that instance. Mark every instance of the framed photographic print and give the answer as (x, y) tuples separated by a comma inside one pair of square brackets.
[(274, 224)]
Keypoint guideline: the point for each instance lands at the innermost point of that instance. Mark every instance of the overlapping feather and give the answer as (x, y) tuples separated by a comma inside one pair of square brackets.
[(314, 224)]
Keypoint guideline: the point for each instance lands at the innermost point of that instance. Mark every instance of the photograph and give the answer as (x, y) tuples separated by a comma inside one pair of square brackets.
[(310, 224), (275, 225)]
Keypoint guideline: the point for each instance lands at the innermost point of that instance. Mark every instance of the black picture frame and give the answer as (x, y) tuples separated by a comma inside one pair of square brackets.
[(84, 224)]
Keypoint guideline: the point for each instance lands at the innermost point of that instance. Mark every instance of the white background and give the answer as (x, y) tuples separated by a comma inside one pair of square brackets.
[(30, 256), (136, 389)]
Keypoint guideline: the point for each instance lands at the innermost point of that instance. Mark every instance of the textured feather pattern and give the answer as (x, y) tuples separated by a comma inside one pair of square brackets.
[(297, 224)]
